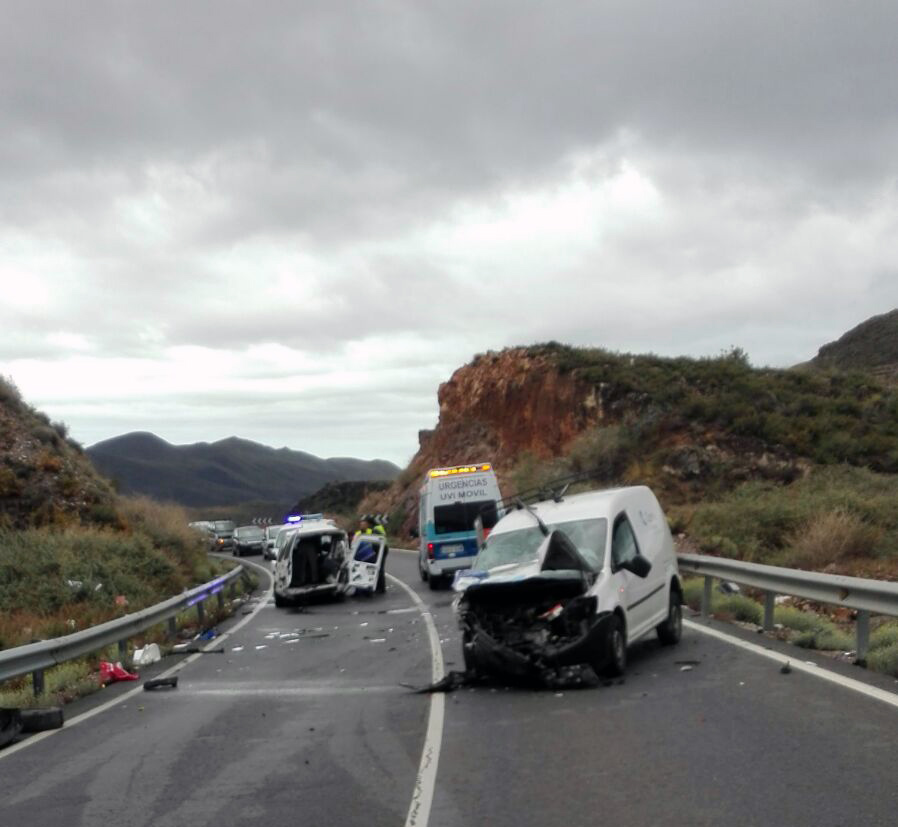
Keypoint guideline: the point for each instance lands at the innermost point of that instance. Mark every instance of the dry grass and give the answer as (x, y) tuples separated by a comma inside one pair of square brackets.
[(832, 537)]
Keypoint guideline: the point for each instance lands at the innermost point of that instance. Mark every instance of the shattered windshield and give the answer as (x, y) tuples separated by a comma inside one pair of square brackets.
[(521, 546)]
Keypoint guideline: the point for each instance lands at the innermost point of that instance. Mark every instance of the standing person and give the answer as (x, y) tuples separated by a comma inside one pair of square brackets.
[(369, 525)]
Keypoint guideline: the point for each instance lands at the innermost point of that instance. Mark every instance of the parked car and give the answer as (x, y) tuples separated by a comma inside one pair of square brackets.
[(249, 539), (221, 535), (570, 581), (271, 535), (312, 562)]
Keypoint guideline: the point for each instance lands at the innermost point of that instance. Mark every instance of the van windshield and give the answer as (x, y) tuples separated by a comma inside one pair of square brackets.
[(521, 546), (460, 515)]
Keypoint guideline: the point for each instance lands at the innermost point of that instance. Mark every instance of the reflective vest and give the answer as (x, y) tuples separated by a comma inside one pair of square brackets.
[(378, 529)]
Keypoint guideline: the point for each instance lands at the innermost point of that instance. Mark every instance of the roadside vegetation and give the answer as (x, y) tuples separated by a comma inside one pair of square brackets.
[(802, 627), (78, 678)]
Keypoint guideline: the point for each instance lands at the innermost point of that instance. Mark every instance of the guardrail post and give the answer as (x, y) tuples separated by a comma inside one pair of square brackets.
[(863, 635), (172, 628), (769, 607), (37, 682), (220, 597), (201, 614), (124, 655), (232, 589), (706, 596)]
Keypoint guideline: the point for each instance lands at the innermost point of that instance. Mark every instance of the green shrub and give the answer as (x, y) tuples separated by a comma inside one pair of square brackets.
[(884, 659), (824, 637), (796, 619), (739, 607), (884, 636)]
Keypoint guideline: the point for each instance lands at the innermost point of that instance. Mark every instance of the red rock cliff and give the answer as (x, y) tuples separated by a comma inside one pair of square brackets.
[(493, 410)]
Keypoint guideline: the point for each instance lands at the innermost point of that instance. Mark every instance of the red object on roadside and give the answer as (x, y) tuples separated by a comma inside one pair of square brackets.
[(112, 672)]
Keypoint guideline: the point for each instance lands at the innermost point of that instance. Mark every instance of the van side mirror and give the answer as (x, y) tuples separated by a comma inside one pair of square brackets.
[(638, 565)]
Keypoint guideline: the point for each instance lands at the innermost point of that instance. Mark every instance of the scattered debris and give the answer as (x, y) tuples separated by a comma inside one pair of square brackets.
[(728, 587), (262, 646), (378, 640), (161, 683), (236, 648), (10, 725), (785, 669), (208, 634), (686, 668), (112, 672), (179, 647), (40, 720), (147, 655)]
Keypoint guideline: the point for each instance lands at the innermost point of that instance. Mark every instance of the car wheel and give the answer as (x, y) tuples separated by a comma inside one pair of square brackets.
[(434, 582), (468, 654), (615, 661), (670, 631), (280, 602)]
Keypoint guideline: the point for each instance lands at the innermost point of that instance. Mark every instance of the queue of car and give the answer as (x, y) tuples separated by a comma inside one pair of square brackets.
[(540, 586)]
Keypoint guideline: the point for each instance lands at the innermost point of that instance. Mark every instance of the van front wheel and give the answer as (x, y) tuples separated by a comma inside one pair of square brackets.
[(670, 631), (615, 661)]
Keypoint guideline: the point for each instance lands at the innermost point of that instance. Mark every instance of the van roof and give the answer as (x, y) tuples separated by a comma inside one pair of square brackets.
[(590, 504)]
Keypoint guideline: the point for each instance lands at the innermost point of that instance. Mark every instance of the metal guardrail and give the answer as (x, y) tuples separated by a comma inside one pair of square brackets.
[(861, 594), (36, 657)]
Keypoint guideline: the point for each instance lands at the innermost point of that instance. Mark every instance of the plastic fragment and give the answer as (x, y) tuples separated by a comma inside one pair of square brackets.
[(161, 683), (112, 672)]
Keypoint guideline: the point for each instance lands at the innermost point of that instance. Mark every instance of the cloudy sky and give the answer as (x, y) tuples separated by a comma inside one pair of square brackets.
[(292, 221)]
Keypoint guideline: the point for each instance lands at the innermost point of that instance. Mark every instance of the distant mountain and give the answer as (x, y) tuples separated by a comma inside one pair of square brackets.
[(226, 472), (871, 346)]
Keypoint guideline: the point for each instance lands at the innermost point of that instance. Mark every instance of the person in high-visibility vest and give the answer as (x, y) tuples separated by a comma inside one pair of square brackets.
[(369, 525)]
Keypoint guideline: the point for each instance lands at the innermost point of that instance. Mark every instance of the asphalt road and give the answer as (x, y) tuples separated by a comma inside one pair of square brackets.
[(303, 720)]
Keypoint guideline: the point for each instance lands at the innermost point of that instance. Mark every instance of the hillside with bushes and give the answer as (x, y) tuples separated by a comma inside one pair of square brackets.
[(795, 467), (73, 553)]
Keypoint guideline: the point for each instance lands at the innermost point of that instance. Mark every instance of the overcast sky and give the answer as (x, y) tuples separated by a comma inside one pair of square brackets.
[(291, 221)]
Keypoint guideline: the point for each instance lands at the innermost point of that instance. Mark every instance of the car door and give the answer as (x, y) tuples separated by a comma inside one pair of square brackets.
[(637, 591)]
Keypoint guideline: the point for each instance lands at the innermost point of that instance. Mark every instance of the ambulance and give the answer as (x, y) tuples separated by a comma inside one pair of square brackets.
[(450, 502)]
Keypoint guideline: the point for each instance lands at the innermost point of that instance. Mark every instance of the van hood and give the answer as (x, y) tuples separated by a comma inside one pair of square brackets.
[(559, 568)]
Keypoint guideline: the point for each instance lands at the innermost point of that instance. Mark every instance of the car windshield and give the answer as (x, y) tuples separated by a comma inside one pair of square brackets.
[(250, 532), (521, 546)]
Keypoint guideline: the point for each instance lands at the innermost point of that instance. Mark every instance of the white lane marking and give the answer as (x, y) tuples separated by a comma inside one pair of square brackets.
[(292, 691), (86, 716), (799, 665), (422, 797)]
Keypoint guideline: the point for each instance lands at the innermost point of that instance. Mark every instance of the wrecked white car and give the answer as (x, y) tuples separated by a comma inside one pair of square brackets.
[(570, 582), (367, 558), (313, 562)]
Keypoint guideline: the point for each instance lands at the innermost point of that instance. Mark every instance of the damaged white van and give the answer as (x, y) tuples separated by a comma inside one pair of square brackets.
[(570, 581), (312, 562)]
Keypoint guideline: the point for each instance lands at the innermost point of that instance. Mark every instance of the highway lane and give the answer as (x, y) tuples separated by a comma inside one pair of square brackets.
[(302, 720), (730, 740), (319, 732)]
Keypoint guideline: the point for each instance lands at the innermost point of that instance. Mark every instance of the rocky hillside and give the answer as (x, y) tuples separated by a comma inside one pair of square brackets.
[(693, 428), (339, 498), (226, 472), (45, 478), (871, 346)]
